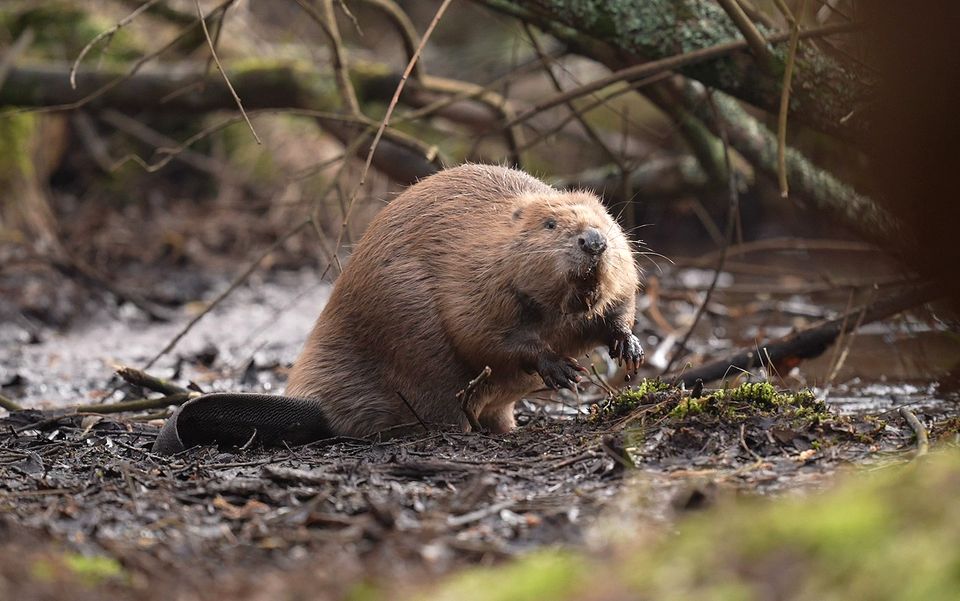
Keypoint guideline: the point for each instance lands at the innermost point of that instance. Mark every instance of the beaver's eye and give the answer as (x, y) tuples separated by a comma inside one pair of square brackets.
[(550, 224)]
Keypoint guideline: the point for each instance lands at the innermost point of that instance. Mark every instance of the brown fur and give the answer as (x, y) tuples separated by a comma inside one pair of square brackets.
[(457, 273)]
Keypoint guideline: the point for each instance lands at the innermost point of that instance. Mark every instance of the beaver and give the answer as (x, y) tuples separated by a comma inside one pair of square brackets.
[(475, 266)]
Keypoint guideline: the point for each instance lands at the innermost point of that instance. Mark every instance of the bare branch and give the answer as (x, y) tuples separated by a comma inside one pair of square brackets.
[(213, 51), (785, 94), (106, 34), (664, 65), (758, 45), (386, 118), (327, 22)]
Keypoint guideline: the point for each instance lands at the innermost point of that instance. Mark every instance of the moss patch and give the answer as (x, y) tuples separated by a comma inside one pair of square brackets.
[(631, 398), (748, 399), (661, 421), (88, 570)]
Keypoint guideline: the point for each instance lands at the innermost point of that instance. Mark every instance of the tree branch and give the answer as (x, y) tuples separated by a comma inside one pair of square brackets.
[(651, 30), (816, 186), (811, 342)]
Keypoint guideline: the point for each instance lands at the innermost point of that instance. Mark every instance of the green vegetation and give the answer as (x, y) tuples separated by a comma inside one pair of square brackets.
[(89, 570), (798, 549), (632, 397), (746, 400)]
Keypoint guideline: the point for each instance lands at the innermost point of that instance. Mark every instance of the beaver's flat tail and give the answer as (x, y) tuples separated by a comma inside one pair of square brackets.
[(229, 418)]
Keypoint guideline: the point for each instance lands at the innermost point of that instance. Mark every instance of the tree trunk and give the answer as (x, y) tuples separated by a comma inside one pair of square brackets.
[(824, 91)]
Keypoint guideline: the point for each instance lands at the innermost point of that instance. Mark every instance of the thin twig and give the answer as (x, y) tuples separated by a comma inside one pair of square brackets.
[(386, 119), (785, 93), (197, 160), (465, 395), (598, 102), (923, 441), (601, 382), (13, 53), (233, 286), (68, 106), (732, 208), (140, 378), (758, 45), (216, 41), (327, 22), (223, 72), (413, 411), (9, 404), (470, 92), (138, 404), (578, 115), (405, 28), (846, 343), (743, 443), (74, 267), (669, 64), (109, 33)]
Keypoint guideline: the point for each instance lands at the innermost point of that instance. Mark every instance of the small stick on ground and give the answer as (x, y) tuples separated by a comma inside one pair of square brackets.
[(811, 342), (9, 404), (465, 395), (140, 378), (923, 441), (138, 404), (746, 447), (601, 382), (250, 440), (240, 279), (410, 407)]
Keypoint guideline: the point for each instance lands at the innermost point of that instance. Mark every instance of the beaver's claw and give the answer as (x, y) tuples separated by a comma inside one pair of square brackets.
[(626, 350), (559, 372)]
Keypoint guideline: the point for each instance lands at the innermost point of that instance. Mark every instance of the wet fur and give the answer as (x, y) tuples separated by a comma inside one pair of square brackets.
[(457, 273)]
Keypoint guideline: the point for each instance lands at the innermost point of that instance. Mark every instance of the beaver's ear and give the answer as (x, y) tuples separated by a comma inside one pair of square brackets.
[(518, 213)]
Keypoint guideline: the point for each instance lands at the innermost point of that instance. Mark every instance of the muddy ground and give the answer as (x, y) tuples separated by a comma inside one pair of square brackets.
[(337, 514), (330, 518)]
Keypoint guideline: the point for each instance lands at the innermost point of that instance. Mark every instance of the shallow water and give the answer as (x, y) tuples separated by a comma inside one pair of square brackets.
[(266, 321), (258, 331)]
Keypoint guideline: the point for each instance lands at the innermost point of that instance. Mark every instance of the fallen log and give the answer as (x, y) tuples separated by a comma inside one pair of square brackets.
[(808, 343)]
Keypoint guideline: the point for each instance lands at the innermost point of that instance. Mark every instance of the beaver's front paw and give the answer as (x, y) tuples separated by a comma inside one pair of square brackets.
[(626, 350), (559, 372)]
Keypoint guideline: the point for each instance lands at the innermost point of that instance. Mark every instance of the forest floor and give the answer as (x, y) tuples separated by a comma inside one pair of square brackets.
[(85, 501), (88, 510)]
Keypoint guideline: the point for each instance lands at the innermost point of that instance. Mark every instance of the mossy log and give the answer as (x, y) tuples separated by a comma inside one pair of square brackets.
[(824, 92), (182, 89)]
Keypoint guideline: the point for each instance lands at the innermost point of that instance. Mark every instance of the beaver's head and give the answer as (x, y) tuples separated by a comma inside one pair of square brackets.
[(572, 254)]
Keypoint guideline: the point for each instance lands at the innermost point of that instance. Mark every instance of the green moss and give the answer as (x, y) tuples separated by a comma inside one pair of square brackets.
[(90, 570), (747, 400), (757, 393), (764, 397), (630, 398), (93, 569), (887, 536), (17, 133), (687, 407), (542, 575)]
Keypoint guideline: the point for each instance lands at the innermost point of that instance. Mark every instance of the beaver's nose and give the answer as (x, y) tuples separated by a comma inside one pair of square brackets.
[(592, 241)]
